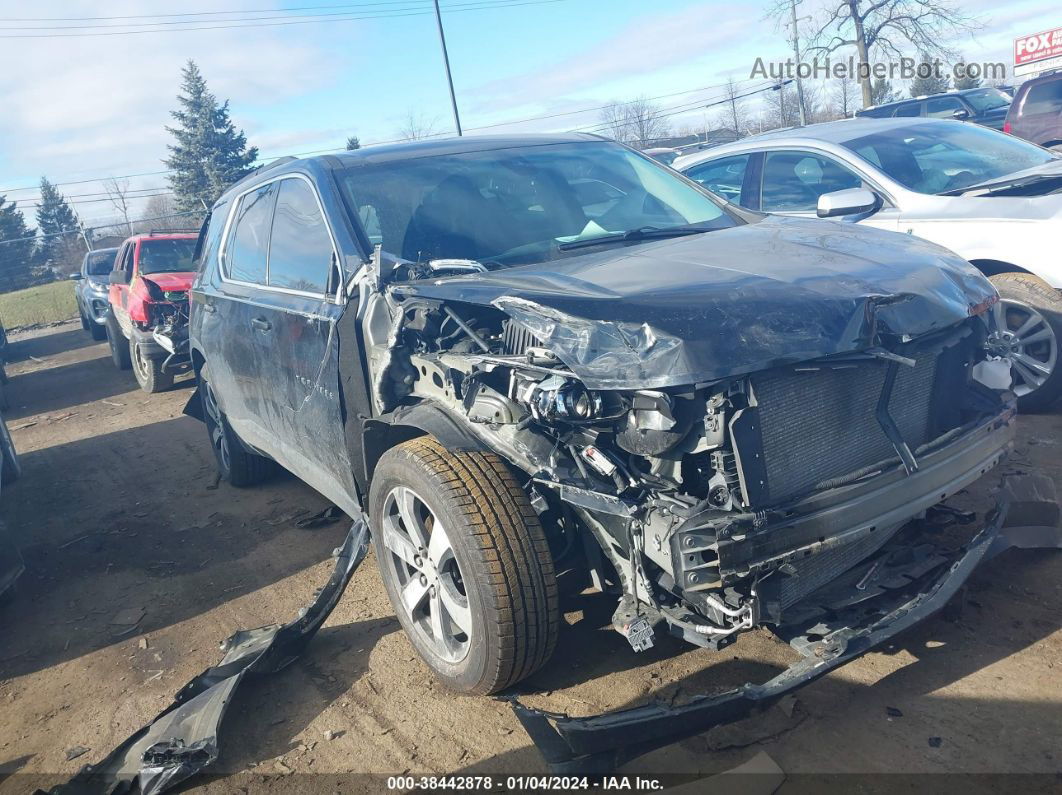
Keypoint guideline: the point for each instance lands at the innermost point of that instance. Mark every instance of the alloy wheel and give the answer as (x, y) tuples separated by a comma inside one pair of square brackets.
[(426, 574), (215, 426), (1025, 337)]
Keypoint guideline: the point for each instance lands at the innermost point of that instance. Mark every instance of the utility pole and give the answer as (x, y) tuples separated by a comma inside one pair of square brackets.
[(446, 61), (84, 235), (796, 55)]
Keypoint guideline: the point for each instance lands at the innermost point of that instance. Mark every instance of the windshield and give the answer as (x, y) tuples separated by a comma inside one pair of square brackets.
[(937, 158), (987, 99), (520, 205), (166, 256), (99, 263)]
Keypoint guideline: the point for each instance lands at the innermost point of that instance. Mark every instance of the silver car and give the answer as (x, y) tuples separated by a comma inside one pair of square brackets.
[(993, 199), (91, 290)]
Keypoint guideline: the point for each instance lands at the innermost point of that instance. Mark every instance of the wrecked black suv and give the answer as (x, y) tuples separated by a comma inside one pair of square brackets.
[(518, 355)]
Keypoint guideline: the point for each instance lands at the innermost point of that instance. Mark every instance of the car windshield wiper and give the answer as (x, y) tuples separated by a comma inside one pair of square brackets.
[(641, 233), (1001, 184)]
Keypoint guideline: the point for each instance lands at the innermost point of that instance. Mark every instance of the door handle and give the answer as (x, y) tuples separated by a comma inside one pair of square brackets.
[(261, 324)]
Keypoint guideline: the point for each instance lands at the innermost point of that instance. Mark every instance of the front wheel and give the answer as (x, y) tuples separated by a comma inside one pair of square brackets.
[(1028, 321), (118, 345), (148, 372), (465, 563)]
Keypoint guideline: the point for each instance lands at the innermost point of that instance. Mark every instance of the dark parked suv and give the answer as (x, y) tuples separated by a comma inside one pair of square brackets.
[(1036, 113), (987, 106), (526, 355)]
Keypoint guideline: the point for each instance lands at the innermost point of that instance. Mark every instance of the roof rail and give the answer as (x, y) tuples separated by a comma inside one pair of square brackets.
[(170, 231), (280, 161)]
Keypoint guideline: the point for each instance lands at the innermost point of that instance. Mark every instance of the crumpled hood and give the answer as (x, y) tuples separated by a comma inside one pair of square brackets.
[(723, 303), (180, 281)]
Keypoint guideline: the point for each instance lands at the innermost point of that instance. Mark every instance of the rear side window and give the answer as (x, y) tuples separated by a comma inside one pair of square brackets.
[(1044, 98), (248, 247), (724, 176), (300, 253), (908, 111)]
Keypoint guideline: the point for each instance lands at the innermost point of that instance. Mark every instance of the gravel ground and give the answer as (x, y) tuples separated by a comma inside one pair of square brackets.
[(139, 563)]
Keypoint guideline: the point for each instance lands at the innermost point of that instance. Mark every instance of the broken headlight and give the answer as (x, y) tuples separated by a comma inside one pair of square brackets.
[(558, 398)]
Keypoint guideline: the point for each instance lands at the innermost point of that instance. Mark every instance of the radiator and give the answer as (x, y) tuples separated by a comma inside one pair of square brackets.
[(821, 424)]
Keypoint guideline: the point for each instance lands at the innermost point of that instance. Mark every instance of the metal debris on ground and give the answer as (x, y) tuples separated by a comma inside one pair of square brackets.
[(75, 752), (329, 515), (183, 738)]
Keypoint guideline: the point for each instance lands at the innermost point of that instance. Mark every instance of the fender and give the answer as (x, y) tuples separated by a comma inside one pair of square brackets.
[(409, 422)]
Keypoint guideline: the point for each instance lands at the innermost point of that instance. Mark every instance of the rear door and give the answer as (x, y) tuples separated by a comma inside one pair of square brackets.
[(238, 351)]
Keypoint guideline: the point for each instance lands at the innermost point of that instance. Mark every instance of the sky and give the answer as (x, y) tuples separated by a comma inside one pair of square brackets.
[(77, 108)]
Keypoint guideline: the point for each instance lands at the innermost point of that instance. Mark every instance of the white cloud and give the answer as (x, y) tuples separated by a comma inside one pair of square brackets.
[(97, 105), (653, 43)]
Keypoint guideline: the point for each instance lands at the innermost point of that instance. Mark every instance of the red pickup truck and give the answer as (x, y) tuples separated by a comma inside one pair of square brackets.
[(147, 328)]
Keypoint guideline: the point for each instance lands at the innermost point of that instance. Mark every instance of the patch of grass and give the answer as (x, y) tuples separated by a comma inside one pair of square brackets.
[(45, 303)]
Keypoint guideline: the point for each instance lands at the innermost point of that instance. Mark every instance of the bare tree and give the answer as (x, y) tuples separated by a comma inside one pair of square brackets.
[(416, 126), (843, 99), (614, 121), (646, 121), (733, 114), (781, 109), (117, 191), (638, 122), (885, 27), (159, 213)]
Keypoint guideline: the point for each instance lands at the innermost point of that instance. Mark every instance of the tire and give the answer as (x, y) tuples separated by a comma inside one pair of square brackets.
[(236, 465), (10, 468), (148, 372), (85, 324), (98, 331), (492, 594), (1031, 306), (5, 403), (118, 345)]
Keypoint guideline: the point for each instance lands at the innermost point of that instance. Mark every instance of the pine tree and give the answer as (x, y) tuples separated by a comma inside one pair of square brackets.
[(210, 153), (17, 248), (930, 84), (353, 143), (881, 92), (966, 81), (54, 217)]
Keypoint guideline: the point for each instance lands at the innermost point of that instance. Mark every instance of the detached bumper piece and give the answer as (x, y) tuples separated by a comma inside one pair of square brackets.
[(900, 586), (183, 739)]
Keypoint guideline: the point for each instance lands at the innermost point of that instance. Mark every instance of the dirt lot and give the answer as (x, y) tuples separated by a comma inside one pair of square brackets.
[(139, 563)]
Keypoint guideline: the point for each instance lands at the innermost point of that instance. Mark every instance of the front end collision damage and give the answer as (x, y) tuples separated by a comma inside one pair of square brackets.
[(600, 743), (183, 739)]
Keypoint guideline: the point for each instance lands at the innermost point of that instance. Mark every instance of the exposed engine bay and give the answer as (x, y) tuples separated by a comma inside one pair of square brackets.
[(717, 506)]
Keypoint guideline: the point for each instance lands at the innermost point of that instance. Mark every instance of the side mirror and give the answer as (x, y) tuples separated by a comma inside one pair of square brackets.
[(75, 276), (117, 277), (851, 201), (961, 114)]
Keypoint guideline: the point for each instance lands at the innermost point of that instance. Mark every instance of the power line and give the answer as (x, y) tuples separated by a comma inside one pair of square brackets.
[(4, 192), (192, 13), (483, 5), (366, 7)]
